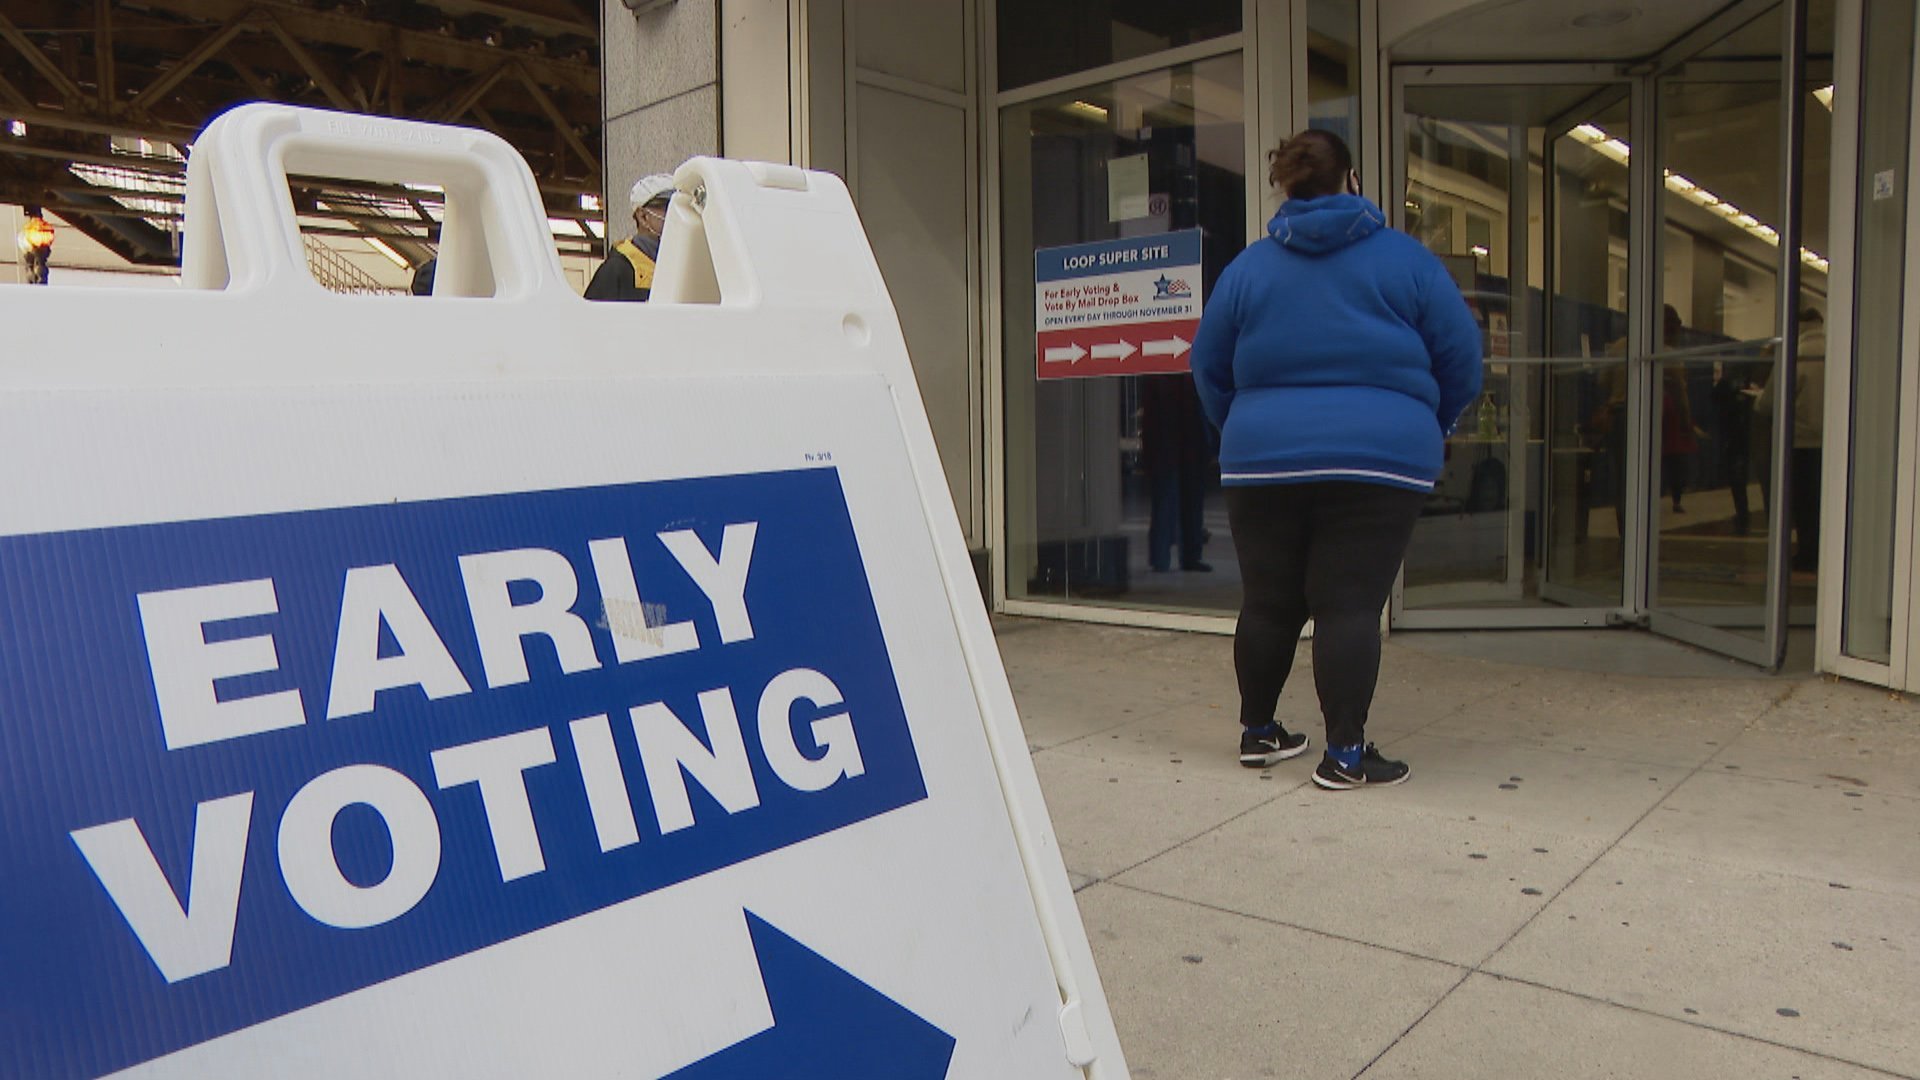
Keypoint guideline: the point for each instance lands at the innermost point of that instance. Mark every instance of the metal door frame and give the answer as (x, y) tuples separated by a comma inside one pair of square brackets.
[(1902, 669)]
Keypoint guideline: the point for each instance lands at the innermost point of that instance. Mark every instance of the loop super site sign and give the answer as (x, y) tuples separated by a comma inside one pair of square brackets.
[(1117, 307)]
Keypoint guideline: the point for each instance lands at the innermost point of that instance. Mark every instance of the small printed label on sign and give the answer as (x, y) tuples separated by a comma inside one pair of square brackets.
[(253, 764), (1883, 184)]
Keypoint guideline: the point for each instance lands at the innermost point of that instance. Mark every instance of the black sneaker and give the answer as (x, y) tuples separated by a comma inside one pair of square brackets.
[(1373, 771), (1264, 746)]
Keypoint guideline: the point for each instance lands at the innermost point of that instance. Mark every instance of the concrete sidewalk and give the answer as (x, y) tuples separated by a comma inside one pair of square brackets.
[(1588, 875)]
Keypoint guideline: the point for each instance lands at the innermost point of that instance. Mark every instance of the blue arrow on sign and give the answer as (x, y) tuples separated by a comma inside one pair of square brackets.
[(827, 1025)]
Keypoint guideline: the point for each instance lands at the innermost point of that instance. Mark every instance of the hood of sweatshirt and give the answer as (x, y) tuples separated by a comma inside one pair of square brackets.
[(1328, 223)]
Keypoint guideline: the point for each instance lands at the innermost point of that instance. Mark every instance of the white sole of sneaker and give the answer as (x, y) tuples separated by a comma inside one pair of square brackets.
[(1342, 785), (1261, 761)]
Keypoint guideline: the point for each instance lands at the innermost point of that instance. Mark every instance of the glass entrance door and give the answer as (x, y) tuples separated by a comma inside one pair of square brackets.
[(1738, 368), (1648, 449), (1520, 180)]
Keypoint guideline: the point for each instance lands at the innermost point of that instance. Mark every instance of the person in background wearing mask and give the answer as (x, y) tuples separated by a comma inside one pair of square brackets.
[(1334, 356), (628, 272)]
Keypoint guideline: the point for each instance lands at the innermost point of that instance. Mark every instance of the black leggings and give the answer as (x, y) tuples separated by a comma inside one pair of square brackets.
[(1327, 551)]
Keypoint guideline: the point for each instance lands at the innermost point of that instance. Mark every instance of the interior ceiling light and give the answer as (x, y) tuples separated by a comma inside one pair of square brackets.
[(1824, 96), (1601, 142), (1087, 110), (1602, 18)]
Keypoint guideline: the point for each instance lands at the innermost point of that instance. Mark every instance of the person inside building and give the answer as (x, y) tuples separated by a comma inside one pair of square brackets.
[(628, 272), (1679, 435), (1734, 390), (1175, 452), (1334, 357), (1809, 420)]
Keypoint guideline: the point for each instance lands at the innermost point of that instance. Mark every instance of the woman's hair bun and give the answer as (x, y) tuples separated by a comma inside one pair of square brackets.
[(1311, 164)]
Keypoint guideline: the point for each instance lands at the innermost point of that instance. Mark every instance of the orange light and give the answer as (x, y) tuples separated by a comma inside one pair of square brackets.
[(37, 233)]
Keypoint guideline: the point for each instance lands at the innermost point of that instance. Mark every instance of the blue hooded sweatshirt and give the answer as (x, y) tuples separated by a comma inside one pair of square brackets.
[(1336, 349)]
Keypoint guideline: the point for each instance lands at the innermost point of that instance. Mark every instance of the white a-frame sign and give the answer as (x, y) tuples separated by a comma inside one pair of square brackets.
[(496, 684)]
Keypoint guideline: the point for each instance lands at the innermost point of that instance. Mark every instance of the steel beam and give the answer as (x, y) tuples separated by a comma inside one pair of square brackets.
[(103, 53), (560, 121), (458, 105), (97, 125), (327, 28), (12, 94), (519, 15), (310, 65), (135, 163), (396, 98), (159, 88), (247, 75), (41, 62)]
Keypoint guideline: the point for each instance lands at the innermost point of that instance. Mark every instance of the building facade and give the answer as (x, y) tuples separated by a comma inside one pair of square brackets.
[(1687, 229)]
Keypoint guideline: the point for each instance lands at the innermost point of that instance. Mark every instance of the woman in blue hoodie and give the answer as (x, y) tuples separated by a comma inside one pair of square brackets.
[(1334, 357)]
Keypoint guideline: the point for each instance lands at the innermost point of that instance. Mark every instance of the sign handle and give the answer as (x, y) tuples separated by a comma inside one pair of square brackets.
[(750, 234), (242, 233)]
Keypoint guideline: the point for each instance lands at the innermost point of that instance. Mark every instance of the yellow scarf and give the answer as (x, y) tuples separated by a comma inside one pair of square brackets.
[(642, 264)]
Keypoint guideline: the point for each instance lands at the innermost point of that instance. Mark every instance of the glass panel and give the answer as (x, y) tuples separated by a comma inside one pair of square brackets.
[(1759, 39), (1111, 478), (1528, 508), (1711, 434), (1714, 487), (1044, 41), (1586, 455), (1879, 284), (1333, 69), (1720, 127)]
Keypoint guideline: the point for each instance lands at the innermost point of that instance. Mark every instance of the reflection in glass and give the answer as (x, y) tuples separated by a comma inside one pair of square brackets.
[(1333, 71), (1038, 42), (1112, 483), (1879, 283), (1529, 210)]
